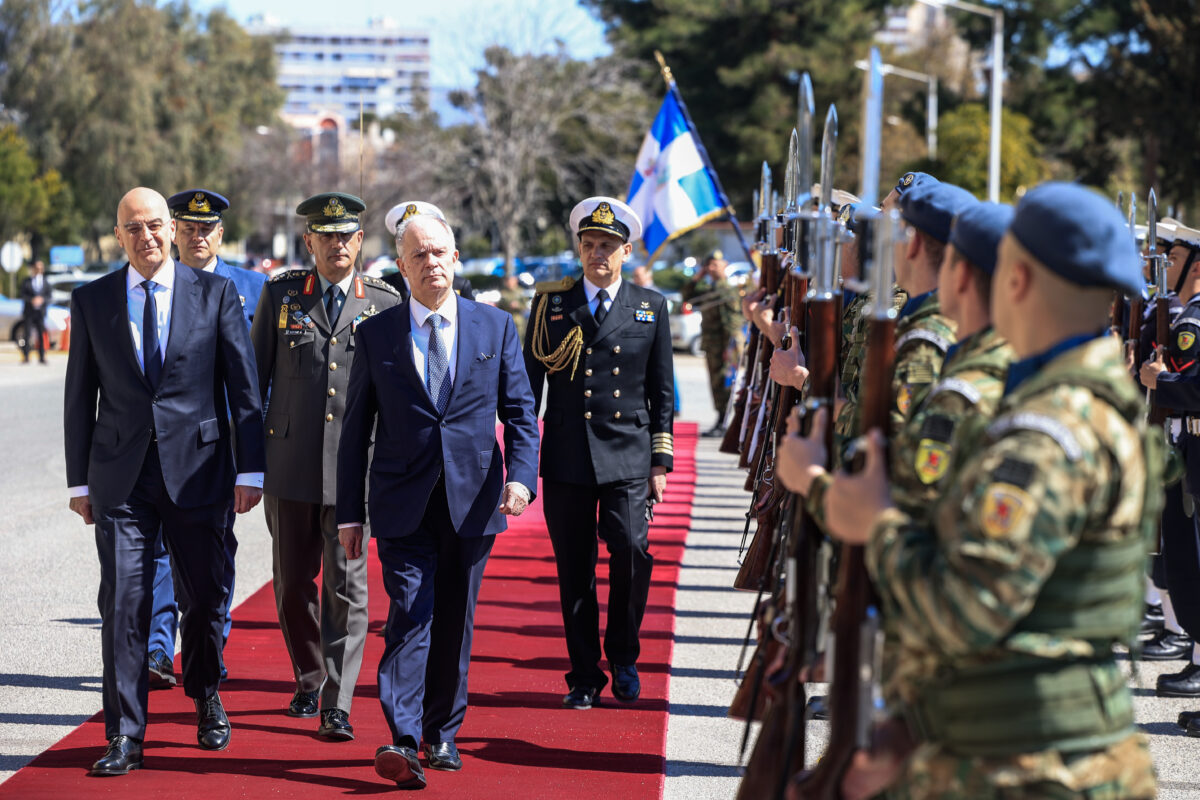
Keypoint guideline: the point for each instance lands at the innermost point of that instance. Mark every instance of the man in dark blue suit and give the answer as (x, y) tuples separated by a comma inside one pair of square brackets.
[(198, 237), (430, 377), (161, 389)]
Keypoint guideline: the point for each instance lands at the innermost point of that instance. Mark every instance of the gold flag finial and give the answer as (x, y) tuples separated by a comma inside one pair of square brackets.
[(662, 66)]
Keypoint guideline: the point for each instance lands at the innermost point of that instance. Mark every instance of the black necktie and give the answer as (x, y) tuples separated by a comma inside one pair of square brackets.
[(151, 357), (332, 307), (601, 311)]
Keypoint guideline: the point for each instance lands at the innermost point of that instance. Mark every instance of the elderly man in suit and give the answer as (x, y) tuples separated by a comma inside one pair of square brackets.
[(430, 378), (400, 213), (305, 336), (160, 374)]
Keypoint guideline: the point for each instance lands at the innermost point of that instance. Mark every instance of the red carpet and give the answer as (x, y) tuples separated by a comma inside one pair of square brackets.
[(517, 740)]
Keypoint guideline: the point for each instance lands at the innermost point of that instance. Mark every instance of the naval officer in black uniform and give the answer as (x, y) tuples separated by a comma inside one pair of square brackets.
[(603, 347)]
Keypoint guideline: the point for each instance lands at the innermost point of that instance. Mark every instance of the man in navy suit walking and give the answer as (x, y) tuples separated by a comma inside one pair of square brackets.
[(160, 374), (198, 236), (430, 377)]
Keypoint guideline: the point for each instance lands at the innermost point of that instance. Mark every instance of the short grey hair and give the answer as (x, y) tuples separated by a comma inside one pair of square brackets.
[(402, 228)]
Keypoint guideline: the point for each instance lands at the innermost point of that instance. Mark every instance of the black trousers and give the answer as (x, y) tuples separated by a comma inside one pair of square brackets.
[(126, 537), (1181, 560), (35, 329), (575, 516)]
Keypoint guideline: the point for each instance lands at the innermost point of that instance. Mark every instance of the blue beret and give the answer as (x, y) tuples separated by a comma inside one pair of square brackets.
[(1080, 236), (931, 207), (197, 205), (977, 231), (911, 180)]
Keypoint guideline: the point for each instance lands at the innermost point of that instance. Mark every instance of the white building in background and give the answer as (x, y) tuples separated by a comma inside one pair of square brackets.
[(381, 66)]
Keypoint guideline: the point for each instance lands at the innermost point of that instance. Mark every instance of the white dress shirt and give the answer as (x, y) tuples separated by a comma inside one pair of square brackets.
[(421, 331), (591, 290), (135, 301)]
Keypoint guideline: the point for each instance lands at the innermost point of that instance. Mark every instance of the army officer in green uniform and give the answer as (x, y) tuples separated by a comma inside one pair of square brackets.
[(303, 337), (720, 306)]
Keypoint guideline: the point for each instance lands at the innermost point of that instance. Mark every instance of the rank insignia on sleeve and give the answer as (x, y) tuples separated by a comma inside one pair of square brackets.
[(1004, 507), (641, 315), (904, 398), (933, 459), (1186, 340)]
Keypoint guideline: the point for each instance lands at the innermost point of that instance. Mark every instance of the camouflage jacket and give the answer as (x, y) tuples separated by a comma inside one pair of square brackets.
[(970, 387), (1065, 476), (854, 348), (720, 308), (923, 337)]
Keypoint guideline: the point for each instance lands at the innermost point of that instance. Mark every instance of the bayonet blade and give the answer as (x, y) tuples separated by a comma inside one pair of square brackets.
[(1152, 222), (790, 188), (872, 129), (828, 155), (804, 127), (764, 191)]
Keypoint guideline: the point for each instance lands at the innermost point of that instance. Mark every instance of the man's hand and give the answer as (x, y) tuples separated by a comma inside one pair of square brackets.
[(853, 502), (351, 539), (750, 302), (873, 771), (763, 313), (658, 483), (512, 501), (1152, 369), (83, 507), (787, 366), (800, 460), (245, 498)]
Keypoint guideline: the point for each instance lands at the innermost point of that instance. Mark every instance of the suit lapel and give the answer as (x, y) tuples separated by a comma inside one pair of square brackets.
[(185, 307), (402, 353), (620, 314), (468, 338), (122, 334), (580, 313)]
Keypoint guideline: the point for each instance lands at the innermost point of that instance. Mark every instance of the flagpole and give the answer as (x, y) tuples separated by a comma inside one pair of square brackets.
[(673, 89)]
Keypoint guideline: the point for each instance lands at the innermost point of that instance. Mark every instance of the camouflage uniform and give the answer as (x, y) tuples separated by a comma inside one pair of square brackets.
[(923, 337), (1030, 571), (720, 333), (854, 347)]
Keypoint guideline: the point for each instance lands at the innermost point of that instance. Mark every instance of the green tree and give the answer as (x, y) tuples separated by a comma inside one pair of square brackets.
[(738, 65), (22, 196)]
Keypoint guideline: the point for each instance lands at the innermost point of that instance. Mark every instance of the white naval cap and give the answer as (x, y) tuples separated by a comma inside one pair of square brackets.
[(606, 214)]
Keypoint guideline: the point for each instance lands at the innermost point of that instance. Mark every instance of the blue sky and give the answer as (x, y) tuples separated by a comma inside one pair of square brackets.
[(459, 29)]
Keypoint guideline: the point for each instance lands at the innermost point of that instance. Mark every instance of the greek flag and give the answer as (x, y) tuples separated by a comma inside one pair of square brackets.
[(674, 188)]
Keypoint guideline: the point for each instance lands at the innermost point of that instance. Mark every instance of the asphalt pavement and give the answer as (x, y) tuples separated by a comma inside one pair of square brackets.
[(49, 627)]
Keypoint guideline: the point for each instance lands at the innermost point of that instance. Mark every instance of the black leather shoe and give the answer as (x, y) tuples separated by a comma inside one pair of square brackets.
[(1185, 717), (1152, 619), (1193, 728), (443, 756), (625, 686), (212, 726), (714, 431), (304, 704), (1185, 684), (124, 754), (335, 725), (582, 697), (399, 764), (1167, 646), (818, 707), (162, 671)]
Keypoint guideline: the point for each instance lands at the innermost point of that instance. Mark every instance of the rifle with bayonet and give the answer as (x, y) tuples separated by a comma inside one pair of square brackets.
[(769, 272), (735, 431), (780, 749), (853, 666), (1162, 301), (1133, 335)]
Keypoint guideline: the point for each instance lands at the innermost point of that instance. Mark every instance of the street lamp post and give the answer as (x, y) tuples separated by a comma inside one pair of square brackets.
[(997, 16), (931, 102)]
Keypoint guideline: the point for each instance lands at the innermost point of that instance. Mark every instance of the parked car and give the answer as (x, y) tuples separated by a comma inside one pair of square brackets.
[(12, 320), (685, 324), (61, 286)]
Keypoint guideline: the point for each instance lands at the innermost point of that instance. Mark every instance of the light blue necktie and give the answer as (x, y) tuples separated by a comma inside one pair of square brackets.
[(437, 365)]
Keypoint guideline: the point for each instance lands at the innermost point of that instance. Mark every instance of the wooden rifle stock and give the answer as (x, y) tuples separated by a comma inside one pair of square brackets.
[(733, 432), (771, 281)]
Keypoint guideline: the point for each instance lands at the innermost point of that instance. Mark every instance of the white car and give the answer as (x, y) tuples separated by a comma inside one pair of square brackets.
[(685, 324), (12, 320)]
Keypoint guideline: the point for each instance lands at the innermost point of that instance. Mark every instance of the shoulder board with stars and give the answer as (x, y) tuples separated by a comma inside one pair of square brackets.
[(548, 287), (290, 275), (376, 283)]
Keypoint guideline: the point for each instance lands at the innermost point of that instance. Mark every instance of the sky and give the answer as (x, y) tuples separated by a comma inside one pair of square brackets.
[(459, 29)]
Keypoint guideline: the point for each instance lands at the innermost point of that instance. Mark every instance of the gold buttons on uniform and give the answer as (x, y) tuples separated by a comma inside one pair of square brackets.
[(332, 365), (587, 415), (616, 392), (617, 415), (587, 372), (587, 392), (617, 349), (333, 340), (291, 344), (332, 391), (329, 417), (616, 370), (588, 351), (271, 431)]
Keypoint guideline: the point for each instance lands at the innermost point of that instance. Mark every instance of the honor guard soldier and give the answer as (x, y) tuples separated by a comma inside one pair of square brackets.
[(198, 236), (304, 341), (1030, 571), (407, 210), (603, 347), (720, 307)]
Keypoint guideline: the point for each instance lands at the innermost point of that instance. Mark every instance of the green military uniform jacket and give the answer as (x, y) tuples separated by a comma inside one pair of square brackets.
[(854, 349), (1030, 569), (304, 367), (721, 312), (923, 337)]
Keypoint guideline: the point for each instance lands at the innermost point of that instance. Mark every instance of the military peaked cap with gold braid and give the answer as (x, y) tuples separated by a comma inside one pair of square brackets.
[(608, 215), (197, 205), (332, 212)]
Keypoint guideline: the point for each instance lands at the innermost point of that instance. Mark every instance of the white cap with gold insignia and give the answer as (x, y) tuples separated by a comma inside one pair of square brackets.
[(608, 215)]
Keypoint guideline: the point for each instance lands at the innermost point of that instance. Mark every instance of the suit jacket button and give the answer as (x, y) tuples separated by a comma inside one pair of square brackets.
[(587, 392), (291, 344), (587, 372), (270, 431), (617, 349), (616, 392), (332, 391), (616, 415), (616, 370), (332, 365), (329, 417), (588, 351), (587, 415), (333, 340)]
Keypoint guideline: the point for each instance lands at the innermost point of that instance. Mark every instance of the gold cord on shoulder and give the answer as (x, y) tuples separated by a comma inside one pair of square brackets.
[(568, 349)]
